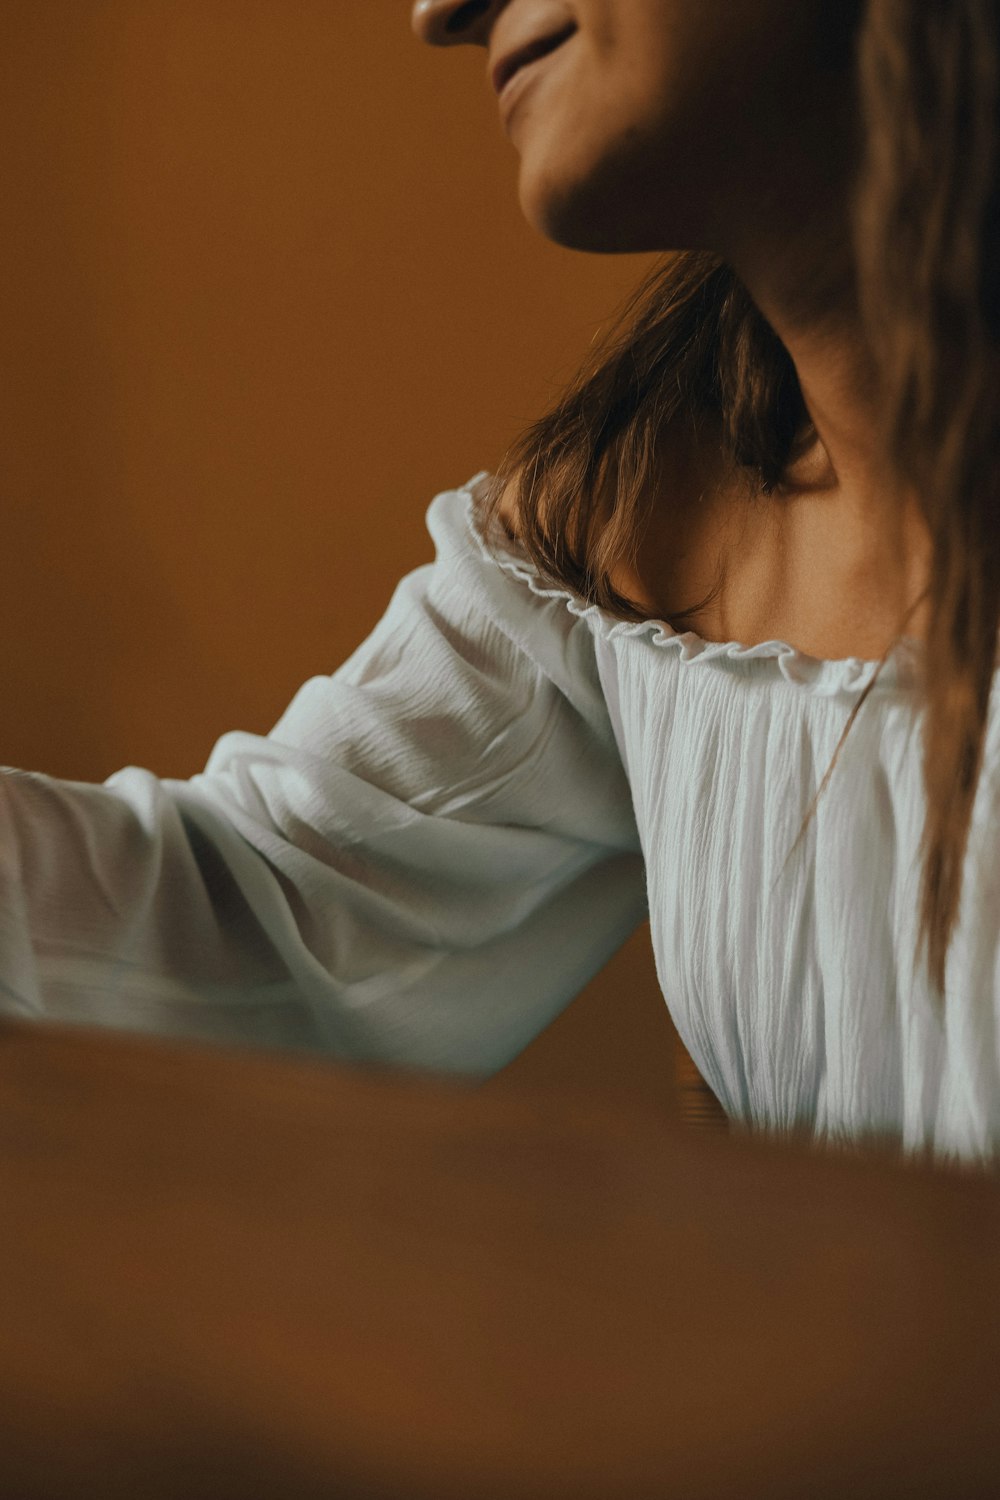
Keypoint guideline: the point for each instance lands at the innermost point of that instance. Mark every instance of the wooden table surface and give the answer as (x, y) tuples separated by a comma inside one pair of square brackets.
[(233, 1274)]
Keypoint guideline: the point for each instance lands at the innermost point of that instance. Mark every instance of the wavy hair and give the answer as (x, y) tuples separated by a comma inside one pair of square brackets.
[(690, 345)]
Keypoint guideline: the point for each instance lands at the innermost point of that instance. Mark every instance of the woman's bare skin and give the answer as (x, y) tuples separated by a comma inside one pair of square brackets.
[(730, 126)]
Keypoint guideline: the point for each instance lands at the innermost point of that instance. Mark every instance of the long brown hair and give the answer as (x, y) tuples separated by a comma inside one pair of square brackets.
[(690, 345)]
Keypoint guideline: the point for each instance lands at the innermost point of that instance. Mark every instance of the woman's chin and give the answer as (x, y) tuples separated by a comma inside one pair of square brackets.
[(578, 217), (587, 205)]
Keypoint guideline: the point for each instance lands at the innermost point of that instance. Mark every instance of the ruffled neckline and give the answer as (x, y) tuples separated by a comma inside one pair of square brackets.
[(821, 676)]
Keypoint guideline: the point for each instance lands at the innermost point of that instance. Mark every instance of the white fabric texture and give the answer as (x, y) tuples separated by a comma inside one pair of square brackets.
[(439, 844), (428, 856)]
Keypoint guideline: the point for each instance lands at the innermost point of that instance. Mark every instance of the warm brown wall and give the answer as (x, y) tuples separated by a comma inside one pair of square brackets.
[(265, 289)]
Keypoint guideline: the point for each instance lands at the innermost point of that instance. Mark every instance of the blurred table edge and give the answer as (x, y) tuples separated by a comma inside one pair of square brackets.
[(231, 1272)]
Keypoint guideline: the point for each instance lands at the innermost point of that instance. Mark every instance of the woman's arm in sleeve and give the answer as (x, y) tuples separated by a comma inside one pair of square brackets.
[(428, 856)]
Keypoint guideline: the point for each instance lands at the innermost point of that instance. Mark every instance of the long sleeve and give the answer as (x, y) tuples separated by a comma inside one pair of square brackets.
[(426, 858)]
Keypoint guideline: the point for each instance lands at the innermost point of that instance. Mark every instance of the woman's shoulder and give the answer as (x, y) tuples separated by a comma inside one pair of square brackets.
[(507, 510), (692, 507)]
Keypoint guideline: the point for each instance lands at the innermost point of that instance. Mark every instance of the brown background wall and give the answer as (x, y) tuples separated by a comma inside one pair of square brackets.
[(265, 289)]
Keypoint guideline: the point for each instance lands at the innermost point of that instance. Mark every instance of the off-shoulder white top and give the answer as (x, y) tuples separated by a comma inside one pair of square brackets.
[(437, 846)]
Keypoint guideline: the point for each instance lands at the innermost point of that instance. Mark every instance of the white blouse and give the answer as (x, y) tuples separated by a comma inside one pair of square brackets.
[(437, 846)]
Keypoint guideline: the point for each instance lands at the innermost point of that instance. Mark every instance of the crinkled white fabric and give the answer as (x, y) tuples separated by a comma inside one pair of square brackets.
[(439, 844), (795, 988), (428, 856)]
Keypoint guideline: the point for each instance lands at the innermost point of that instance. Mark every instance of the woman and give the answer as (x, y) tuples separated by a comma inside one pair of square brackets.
[(768, 498)]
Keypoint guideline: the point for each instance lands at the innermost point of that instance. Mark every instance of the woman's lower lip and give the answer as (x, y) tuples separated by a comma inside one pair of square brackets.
[(516, 82)]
